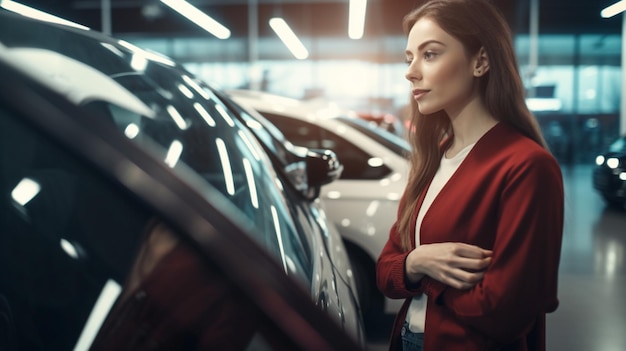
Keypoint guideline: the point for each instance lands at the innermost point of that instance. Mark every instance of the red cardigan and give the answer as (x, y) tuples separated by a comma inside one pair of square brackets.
[(507, 196)]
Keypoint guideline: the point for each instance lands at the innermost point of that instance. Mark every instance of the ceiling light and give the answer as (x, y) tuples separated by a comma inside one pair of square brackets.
[(40, 15), (614, 9), (198, 17), (289, 38), (357, 18)]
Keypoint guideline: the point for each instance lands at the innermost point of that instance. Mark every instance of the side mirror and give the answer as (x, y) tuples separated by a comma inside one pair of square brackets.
[(322, 167)]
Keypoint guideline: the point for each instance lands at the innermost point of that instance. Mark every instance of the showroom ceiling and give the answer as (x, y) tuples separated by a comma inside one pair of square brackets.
[(315, 18)]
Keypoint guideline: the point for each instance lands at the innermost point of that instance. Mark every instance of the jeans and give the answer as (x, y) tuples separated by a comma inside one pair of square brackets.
[(411, 341)]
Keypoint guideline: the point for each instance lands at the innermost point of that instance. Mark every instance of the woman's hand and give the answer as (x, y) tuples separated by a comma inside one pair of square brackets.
[(457, 265)]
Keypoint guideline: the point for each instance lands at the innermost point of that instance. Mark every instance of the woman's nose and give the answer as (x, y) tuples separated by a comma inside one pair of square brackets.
[(412, 73)]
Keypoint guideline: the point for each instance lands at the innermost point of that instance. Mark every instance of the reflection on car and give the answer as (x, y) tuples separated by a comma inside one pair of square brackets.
[(363, 202), (609, 175), (140, 212)]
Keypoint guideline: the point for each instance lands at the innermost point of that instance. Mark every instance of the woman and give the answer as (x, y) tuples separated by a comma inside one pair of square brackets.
[(476, 245)]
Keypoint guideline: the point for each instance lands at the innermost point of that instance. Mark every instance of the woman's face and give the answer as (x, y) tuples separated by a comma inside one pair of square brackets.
[(441, 74)]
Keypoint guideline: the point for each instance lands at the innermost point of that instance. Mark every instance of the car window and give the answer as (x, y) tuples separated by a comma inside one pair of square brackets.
[(85, 265), (287, 158), (206, 136), (358, 164), (162, 108), (393, 142)]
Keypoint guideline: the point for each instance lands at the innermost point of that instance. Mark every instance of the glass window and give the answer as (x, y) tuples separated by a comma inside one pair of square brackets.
[(356, 162), (393, 142), (87, 266), (160, 107)]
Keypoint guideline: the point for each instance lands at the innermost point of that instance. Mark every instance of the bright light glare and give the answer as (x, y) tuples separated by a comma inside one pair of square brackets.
[(69, 248), (228, 173), (612, 162), (279, 235), (131, 131), (622, 176), (178, 119), (333, 195), (139, 60), (198, 17), (614, 9), (107, 298), (173, 153), (186, 91), (249, 145), (139, 63), (25, 191), (289, 38), (196, 87), (357, 18), (224, 115), (543, 104), (375, 162), (113, 49), (372, 208), (204, 114), (599, 160), (40, 15), (254, 198)]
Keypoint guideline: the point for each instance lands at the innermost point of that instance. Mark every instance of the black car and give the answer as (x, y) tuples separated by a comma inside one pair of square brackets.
[(139, 211), (609, 175)]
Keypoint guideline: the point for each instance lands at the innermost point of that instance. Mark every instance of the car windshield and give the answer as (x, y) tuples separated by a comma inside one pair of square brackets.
[(162, 108), (289, 158), (393, 142)]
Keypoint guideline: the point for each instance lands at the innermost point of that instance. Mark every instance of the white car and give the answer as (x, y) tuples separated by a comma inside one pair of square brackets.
[(363, 203)]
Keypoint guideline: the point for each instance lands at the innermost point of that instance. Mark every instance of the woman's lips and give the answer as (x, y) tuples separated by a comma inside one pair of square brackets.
[(419, 93)]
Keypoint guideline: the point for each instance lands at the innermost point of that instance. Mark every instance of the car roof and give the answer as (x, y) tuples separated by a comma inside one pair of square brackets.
[(311, 110), (320, 112)]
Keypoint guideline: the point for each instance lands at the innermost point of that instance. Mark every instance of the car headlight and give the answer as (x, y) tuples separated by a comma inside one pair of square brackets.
[(599, 160), (622, 176), (612, 162)]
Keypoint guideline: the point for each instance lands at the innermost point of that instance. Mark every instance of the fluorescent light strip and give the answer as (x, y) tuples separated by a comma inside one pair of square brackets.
[(36, 14), (614, 9), (289, 38), (198, 17), (357, 18), (107, 298), (226, 168)]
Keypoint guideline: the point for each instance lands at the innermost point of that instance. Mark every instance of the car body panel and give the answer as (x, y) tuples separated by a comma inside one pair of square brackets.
[(283, 152), (362, 209), (178, 121)]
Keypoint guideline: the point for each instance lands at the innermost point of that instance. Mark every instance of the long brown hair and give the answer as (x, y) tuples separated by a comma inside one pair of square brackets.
[(476, 24)]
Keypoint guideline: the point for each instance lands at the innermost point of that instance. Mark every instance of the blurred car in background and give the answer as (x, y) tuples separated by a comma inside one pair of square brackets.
[(609, 174), (139, 211), (363, 202), (386, 121)]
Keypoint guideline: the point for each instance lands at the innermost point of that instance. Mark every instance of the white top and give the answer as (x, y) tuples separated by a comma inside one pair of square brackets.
[(416, 315)]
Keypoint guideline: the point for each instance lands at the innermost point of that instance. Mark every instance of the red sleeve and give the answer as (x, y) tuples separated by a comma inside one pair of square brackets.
[(390, 268), (521, 281)]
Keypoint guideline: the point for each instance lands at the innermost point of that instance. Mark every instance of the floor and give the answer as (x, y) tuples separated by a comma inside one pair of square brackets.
[(592, 282)]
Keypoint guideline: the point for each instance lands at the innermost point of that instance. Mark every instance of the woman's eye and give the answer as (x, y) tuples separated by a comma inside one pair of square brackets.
[(429, 55), (408, 61)]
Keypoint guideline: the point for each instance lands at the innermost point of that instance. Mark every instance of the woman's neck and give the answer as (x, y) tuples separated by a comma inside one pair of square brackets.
[(468, 126)]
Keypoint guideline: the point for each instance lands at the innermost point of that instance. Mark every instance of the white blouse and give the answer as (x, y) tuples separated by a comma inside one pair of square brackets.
[(416, 315)]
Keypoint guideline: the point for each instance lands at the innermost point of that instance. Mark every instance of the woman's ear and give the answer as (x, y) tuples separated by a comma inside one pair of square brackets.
[(481, 63)]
